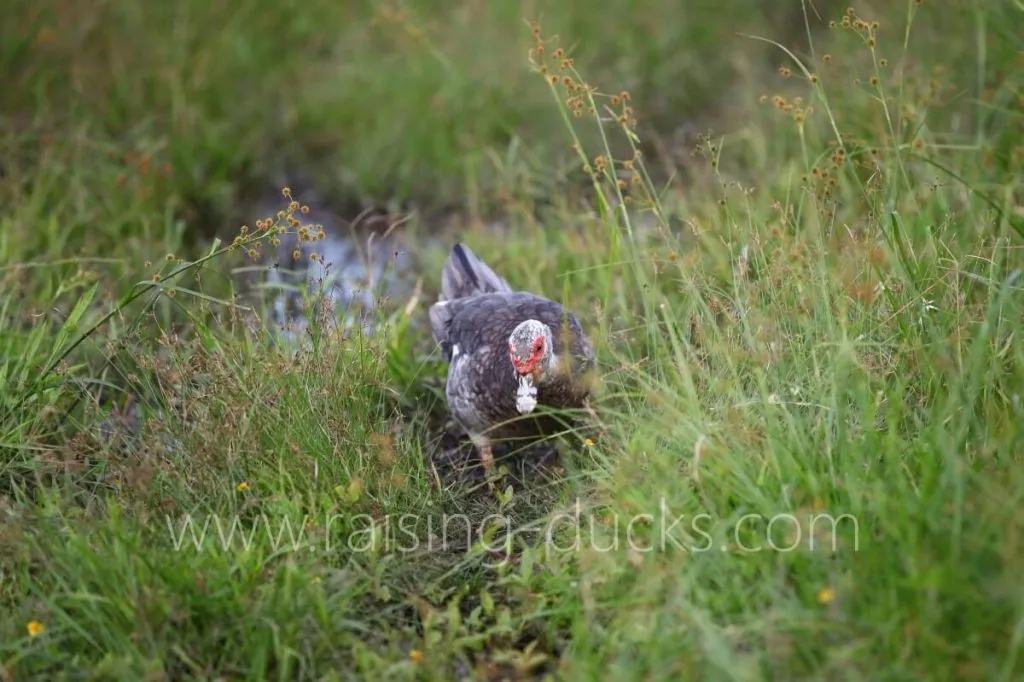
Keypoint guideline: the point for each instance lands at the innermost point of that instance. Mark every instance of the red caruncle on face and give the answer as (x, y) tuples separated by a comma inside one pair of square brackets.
[(531, 365)]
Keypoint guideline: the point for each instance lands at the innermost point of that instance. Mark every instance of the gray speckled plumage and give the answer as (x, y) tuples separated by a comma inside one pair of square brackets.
[(478, 321)]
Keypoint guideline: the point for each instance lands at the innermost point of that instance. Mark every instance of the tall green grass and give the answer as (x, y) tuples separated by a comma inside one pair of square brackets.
[(805, 464)]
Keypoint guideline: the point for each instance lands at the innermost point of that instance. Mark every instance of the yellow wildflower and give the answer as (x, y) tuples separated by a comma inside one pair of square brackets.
[(416, 656), (242, 486), (826, 595), (35, 628), (589, 443)]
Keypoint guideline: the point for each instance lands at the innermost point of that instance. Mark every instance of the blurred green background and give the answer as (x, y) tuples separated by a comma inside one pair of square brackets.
[(421, 103), (194, 109)]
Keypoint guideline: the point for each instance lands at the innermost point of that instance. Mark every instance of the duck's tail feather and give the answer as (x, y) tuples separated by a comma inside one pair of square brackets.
[(466, 275)]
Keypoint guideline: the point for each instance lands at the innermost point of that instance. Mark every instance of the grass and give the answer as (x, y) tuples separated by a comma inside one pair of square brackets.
[(805, 462)]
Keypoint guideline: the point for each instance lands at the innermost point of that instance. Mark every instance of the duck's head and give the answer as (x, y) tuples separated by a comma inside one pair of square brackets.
[(531, 351)]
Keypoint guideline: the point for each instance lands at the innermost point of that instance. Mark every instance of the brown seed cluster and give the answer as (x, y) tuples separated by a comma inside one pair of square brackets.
[(839, 157), (600, 169), (557, 67), (823, 180), (269, 230), (867, 30), (796, 109)]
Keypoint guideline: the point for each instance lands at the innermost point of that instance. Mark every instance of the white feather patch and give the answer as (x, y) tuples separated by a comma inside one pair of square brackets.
[(526, 395)]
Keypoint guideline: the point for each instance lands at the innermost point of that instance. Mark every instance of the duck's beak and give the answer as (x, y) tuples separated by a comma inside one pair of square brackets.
[(532, 373)]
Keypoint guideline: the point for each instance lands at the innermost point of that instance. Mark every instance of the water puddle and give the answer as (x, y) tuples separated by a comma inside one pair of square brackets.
[(363, 270)]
